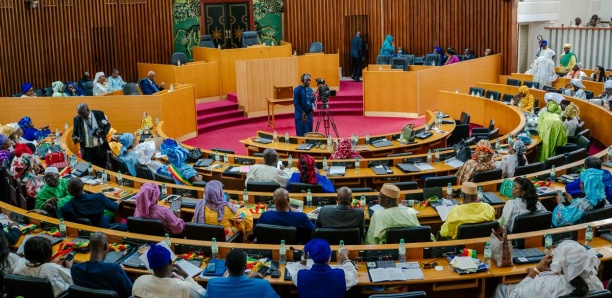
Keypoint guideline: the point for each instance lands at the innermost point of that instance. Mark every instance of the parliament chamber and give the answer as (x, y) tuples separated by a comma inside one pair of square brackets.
[(252, 73)]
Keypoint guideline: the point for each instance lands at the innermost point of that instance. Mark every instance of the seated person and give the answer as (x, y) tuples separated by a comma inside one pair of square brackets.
[(570, 119), (468, 55), (591, 184), (308, 174), (525, 99), (515, 158), (342, 216), (575, 89), (345, 151), (8, 259), (482, 160), (569, 270), (27, 90), (214, 210), (24, 164), (168, 279), (267, 172), (576, 72), (10, 235), (85, 78), (54, 195), (312, 277), (466, 213), (146, 207), (182, 173), (100, 86), (146, 153), (38, 263), (73, 90), (283, 216), (592, 162), (115, 82), (606, 95), (99, 275), (5, 148), (87, 205), (149, 86), (58, 89), (237, 284), (551, 130), (393, 216), (127, 154), (29, 132), (451, 58), (525, 201)]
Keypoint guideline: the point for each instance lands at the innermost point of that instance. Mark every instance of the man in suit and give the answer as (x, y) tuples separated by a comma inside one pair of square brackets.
[(303, 102), (149, 86), (341, 216), (89, 130), (356, 54), (86, 205)]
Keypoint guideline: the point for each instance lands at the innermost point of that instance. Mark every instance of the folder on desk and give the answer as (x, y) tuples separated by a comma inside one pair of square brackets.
[(337, 171)]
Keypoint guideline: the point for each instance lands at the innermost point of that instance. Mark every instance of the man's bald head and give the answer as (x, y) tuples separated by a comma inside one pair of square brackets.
[(98, 245), (345, 196), (270, 157), (83, 110), (75, 186), (281, 199)]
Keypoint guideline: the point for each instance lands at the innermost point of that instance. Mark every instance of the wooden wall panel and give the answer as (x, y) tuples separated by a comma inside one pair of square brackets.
[(61, 39), (417, 26)]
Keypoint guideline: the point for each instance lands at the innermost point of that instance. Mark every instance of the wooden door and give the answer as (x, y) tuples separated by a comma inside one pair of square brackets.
[(225, 21), (353, 24)]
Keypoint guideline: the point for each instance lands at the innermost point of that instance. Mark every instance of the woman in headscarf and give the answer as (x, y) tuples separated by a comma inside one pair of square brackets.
[(568, 59), (574, 88), (551, 130), (58, 89), (29, 132), (345, 151), (591, 184), (127, 154), (570, 269), (24, 164), (570, 119), (525, 201), (73, 90), (100, 86), (576, 72), (388, 47), (5, 146), (308, 174), (525, 99), (482, 160), (606, 96), (182, 173), (451, 58), (214, 210), (543, 69), (27, 90), (515, 158), (146, 207), (145, 152)]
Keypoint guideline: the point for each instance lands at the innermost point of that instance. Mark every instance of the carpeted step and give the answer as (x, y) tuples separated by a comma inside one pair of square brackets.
[(217, 106), (232, 97), (214, 115)]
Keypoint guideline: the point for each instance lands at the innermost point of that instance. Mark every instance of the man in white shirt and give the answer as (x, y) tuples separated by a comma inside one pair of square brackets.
[(268, 172), (115, 82), (168, 279)]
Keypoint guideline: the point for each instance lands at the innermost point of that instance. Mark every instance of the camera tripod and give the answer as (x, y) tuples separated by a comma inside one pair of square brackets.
[(326, 115)]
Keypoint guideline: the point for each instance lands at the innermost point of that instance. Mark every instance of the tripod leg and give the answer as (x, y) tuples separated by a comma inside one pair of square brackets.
[(319, 120), (333, 123)]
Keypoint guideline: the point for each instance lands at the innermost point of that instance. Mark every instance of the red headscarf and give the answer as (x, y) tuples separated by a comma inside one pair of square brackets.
[(345, 151), (20, 149), (306, 165)]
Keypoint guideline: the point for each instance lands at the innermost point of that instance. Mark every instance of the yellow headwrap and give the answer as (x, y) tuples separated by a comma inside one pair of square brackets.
[(571, 111), (7, 130), (567, 45), (524, 89)]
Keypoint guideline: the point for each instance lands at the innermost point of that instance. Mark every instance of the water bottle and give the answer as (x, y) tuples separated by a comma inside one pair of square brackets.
[(437, 155), (520, 105), (171, 88), (289, 161), (167, 240), (73, 161), (156, 121), (57, 133), (610, 153), (325, 167), (275, 137), (401, 253), (146, 129), (402, 137), (66, 126), (282, 253), (356, 139), (217, 157), (367, 139), (225, 158), (548, 241), (329, 141), (90, 170), (457, 90), (449, 191), (487, 253), (294, 53), (62, 229), (509, 139), (356, 165), (472, 94), (245, 196), (512, 101), (286, 138), (178, 63), (429, 156), (497, 144), (341, 246), (104, 177), (309, 199), (588, 236), (362, 201), (491, 98), (164, 190), (119, 179), (553, 173), (353, 140), (479, 194), (214, 248)]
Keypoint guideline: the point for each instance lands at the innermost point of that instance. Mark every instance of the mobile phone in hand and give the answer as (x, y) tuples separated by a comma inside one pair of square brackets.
[(562, 196), (70, 256)]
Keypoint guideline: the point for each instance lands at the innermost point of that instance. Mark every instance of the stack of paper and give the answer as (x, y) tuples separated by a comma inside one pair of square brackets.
[(454, 162), (444, 209), (423, 166), (402, 271)]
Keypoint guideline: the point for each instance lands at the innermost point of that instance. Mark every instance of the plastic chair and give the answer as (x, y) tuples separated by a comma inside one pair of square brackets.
[(206, 41), (249, 38), (178, 56)]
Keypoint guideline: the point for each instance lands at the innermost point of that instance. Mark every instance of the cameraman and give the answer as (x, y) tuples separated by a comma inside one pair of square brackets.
[(304, 104), (89, 130)]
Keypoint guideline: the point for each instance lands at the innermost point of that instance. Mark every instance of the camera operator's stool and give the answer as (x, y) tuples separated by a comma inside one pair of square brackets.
[(276, 101)]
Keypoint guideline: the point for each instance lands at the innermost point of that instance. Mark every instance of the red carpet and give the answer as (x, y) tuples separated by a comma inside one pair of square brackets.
[(229, 137)]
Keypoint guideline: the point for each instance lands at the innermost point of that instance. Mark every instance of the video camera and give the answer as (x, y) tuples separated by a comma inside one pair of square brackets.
[(323, 92)]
